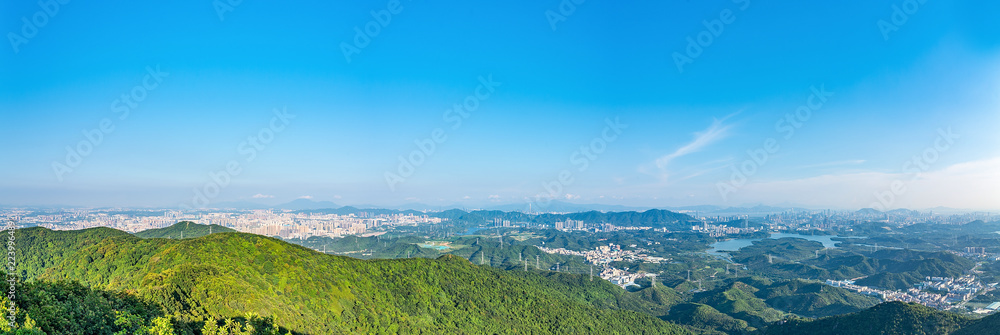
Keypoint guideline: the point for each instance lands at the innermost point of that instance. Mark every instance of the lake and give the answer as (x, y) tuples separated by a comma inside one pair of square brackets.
[(433, 246), (473, 230), (722, 248)]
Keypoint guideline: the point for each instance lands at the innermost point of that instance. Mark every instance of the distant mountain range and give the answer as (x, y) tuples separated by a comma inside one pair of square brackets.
[(898, 211), (554, 206), (557, 206), (295, 205)]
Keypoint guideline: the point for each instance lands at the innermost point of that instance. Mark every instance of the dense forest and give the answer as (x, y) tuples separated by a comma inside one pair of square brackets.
[(886, 268), (891, 318), (219, 279), (104, 281)]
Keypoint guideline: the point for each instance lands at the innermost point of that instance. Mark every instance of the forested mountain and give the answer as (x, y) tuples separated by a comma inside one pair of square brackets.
[(197, 282), (891, 318), (184, 229), (103, 281), (984, 326), (813, 299), (889, 269)]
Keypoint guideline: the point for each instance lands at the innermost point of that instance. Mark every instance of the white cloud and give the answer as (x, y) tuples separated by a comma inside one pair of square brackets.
[(572, 196), (262, 196), (968, 185), (715, 132), (306, 197)]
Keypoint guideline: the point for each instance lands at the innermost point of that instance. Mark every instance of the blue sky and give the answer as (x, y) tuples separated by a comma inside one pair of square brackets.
[(223, 76)]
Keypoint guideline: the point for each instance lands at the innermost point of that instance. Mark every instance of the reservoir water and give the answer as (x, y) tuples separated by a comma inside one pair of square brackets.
[(437, 247), (722, 248), (473, 230)]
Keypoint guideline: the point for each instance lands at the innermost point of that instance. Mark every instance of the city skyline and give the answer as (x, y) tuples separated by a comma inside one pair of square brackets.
[(271, 103)]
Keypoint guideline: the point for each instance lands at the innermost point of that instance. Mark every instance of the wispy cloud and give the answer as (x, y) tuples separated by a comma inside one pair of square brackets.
[(715, 132), (306, 197), (262, 196)]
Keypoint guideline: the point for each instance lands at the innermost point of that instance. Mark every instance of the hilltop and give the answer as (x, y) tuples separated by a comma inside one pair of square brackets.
[(183, 229)]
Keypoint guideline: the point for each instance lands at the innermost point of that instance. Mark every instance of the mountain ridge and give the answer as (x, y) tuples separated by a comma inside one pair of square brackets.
[(229, 274)]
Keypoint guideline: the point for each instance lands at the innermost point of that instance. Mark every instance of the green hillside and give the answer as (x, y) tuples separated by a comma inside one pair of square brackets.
[(228, 275), (890, 269), (739, 301), (706, 319), (70, 308), (984, 326), (891, 318), (814, 299), (66, 307), (183, 229)]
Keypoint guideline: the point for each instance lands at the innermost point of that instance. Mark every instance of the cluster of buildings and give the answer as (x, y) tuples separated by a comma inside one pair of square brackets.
[(623, 278), (613, 253), (284, 224), (606, 227), (289, 225), (571, 225), (604, 254), (967, 286), (958, 290), (498, 222), (939, 301), (130, 221), (976, 253), (724, 230), (993, 307), (828, 219), (580, 225)]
